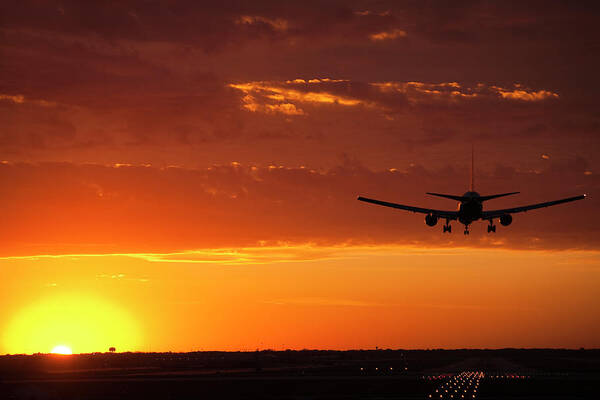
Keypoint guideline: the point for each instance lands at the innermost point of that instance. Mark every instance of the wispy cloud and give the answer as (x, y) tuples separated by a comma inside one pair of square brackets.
[(322, 301), (281, 253), (388, 35), (121, 276), (277, 24), (525, 94), (21, 99), (345, 302), (279, 97), (418, 92), (284, 97), (284, 253)]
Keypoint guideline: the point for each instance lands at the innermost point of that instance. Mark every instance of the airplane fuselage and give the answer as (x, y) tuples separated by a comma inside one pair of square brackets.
[(470, 209)]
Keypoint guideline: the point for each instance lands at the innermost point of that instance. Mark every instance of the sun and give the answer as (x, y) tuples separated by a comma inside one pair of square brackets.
[(70, 322), (62, 349)]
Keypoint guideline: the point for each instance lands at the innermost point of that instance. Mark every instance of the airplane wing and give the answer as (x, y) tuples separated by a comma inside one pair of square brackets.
[(498, 213), (438, 213)]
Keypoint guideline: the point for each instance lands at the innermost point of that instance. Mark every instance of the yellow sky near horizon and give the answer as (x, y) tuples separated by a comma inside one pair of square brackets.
[(301, 297)]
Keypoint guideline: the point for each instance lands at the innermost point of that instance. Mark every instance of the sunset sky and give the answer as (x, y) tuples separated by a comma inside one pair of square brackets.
[(176, 176)]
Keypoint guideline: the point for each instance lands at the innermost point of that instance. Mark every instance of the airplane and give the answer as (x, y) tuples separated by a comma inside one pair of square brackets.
[(470, 208)]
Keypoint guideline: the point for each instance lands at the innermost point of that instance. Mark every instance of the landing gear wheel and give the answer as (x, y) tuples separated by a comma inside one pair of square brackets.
[(491, 228), (466, 231), (447, 227)]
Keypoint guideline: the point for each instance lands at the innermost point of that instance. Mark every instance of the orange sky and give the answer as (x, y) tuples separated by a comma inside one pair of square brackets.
[(175, 176), (303, 297)]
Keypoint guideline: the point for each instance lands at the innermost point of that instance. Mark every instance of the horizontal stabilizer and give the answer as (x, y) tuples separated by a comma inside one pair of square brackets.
[(495, 196), (448, 196)]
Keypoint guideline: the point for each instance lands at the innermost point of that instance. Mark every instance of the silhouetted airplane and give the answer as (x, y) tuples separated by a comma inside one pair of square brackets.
[(470, 208)]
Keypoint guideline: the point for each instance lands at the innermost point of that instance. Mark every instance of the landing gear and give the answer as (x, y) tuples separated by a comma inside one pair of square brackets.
[(466, 229), (447, 227), (491, 227)]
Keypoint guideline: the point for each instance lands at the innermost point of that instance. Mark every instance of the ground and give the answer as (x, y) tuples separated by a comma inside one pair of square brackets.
[(374, 374)]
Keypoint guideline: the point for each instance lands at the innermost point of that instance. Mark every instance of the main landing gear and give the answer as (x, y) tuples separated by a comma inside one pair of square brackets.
[(466, 229), (491, 227), (447, 227)]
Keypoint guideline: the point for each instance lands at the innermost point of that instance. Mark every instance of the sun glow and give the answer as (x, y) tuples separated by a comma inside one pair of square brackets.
[(86, 324), (62, 349)]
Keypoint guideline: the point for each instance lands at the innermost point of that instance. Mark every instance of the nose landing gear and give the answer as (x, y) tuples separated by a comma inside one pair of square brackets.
[(447, 227), (466, 230)]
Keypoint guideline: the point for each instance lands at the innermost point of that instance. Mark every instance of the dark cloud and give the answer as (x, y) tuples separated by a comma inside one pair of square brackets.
[(211, 27), (34, 125)]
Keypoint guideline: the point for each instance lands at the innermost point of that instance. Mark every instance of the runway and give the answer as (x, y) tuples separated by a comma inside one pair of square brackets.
[(456, 375)]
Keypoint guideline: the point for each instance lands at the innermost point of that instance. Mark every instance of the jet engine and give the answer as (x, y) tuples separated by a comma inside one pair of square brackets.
[(431, 219), (506, 219)]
